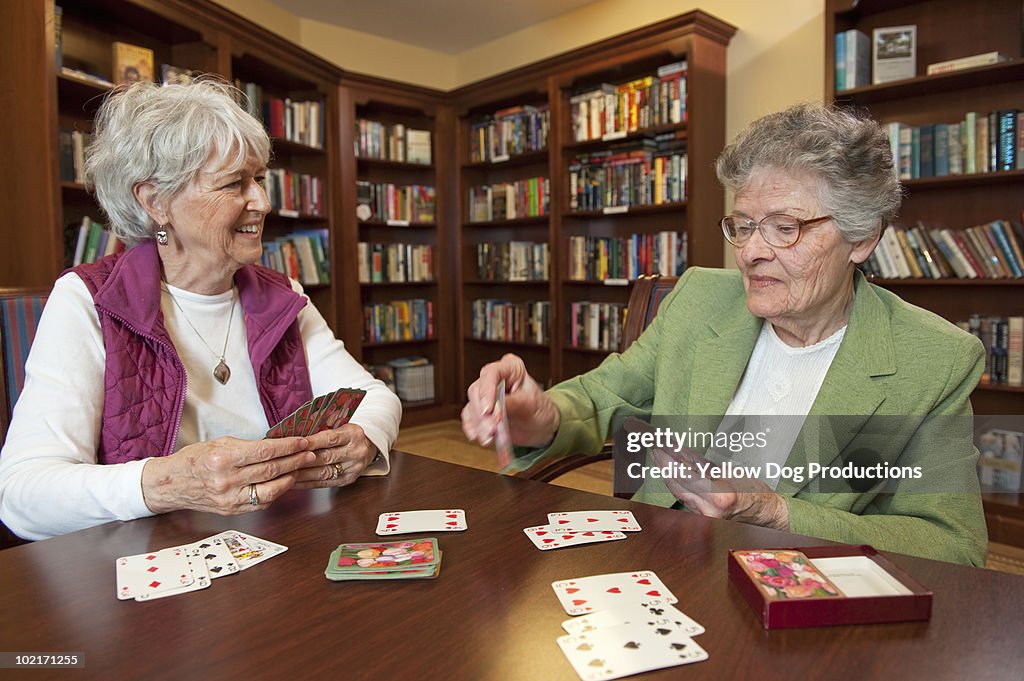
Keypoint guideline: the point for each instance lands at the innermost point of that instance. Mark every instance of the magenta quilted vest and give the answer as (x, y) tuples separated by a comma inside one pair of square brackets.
[(145, 380)]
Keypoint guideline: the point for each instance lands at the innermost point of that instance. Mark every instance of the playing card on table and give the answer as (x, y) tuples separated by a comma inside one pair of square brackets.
[(216, 555), (627, 649), (503, 437), (152, 573), (633, 614), (248, 550), (545, 539), (405, 522), (578, 521), (200, 579), (602, 592)]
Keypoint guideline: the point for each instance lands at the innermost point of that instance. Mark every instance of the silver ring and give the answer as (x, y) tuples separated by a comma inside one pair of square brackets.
[(254, 500), (339, 471)]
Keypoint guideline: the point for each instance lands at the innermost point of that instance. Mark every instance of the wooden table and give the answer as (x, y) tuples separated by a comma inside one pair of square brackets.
[(490, 615)]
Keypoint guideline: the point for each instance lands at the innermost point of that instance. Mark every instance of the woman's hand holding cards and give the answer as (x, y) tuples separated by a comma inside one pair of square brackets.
[(341, 456), (532, 416), (225, 475)]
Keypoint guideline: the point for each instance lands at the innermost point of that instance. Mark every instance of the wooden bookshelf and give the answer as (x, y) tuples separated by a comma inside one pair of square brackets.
[(698, 38), (945, 30)]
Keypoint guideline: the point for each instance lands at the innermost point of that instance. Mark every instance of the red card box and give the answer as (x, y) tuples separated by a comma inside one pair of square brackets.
[(824, 612)]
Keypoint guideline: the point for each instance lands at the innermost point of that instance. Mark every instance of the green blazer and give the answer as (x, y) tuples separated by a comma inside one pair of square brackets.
[(900, 380)]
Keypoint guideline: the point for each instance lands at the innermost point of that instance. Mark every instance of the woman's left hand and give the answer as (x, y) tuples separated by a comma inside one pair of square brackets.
[(748, 501), (341, 456)]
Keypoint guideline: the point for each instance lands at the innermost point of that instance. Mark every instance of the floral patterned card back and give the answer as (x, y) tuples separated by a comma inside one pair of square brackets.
[(786, 575)]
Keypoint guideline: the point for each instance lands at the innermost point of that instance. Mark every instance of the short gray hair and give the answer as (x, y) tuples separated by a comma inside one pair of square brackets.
[(849, 152), (165, 135)]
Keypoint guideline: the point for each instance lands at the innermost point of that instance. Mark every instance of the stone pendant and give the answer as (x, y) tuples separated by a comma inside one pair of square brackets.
[(221, 372)]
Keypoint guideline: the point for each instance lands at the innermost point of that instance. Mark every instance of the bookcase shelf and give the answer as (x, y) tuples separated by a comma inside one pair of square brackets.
[(945, 31), (696, 37)]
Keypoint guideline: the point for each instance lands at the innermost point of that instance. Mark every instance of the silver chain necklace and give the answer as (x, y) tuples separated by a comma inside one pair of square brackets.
[(222, 372)]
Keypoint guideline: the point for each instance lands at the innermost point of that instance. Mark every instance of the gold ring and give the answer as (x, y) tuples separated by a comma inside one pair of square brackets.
[(339, 471), (254, 500)]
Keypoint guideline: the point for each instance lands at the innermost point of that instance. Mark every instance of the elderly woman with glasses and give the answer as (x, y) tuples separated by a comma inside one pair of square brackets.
[(859, 400)]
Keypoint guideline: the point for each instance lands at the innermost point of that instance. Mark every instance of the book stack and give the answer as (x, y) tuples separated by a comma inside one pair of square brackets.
[(594, 258), (394, 203), (513, 261), (395, 263), (597, 326), (529, 197), (399, 320), (971, 62), (301, 255), (508, 132), (301, 122), (980, 143), (502, 320), (611, 111), (295, 194), (994, 250), (1000, 462), (1003, 338), (645, 173), (414, 378)]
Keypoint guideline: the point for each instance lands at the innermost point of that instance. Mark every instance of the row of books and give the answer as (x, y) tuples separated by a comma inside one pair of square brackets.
[(597, 326), (301, 122), (391, 202), (594, 258), (989, 251), (411, 378), (513, 261), (395, 262), (396, 142), (502, 320), (853, 59), (90, 241), (399, 320), (648, 173), (71, 144), (1003, 338), (293, 194), (529, 197), (301, 255), (980, 143), (509, 132), (609, 111), (1001, 455)]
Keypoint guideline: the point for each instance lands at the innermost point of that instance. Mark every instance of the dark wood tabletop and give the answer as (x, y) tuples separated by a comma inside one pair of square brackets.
[(491, 614)]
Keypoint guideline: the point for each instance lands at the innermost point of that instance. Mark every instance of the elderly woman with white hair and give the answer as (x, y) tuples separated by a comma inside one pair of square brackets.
[(847, 376), (156, 372)]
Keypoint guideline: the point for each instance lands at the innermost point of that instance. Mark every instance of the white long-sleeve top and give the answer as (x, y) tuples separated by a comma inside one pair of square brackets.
[(50, 481)]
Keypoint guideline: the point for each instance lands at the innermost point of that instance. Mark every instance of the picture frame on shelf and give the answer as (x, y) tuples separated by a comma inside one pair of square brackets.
[(893, 53)]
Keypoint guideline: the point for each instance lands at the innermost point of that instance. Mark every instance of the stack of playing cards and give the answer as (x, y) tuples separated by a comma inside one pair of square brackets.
[(628, 625), (332, 410), (190, 567), (416, 522), (408, 559), (581, 527)]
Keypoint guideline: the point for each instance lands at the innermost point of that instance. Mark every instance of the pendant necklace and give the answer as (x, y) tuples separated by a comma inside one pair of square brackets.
[(221, 372)]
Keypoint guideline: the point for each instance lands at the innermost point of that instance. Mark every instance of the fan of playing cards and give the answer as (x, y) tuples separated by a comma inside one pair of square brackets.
[(321, 413), (181, 569), (627, 625)]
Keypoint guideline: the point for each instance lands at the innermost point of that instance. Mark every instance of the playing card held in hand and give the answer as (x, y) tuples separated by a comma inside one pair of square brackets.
[(321, 413)]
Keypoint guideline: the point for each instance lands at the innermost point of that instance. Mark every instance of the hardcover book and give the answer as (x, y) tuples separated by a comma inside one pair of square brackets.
[(132, 64), (894, 53)]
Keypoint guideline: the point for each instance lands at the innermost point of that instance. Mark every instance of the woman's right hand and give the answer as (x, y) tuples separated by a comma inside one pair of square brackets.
[(533, 418), (215, 476)]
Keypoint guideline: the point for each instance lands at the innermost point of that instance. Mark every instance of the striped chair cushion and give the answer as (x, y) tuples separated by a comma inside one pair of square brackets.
[(19, 316)]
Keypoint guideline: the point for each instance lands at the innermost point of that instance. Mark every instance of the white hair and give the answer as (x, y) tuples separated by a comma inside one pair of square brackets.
[(165, 135)]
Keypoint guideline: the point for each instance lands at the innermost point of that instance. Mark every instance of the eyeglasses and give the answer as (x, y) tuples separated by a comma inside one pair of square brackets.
[(779, 230)]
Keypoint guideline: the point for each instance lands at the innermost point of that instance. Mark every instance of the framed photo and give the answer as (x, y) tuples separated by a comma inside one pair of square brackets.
[(894, 53)]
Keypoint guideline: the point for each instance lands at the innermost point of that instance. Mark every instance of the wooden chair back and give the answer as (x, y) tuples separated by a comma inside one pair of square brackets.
[(644, 301)]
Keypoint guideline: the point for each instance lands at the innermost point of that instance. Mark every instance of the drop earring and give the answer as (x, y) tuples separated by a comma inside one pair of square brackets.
[(161, 237)]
